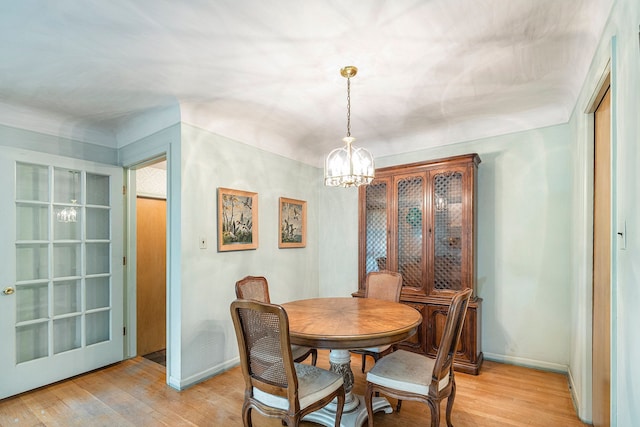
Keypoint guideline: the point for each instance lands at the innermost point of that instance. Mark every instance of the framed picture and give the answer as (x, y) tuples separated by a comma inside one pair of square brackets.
[(293, 223), (237, 220)]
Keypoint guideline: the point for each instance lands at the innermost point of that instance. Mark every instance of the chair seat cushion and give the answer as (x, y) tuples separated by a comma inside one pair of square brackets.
[(313, 384), (375, 349), (298, 351), (405, 371)]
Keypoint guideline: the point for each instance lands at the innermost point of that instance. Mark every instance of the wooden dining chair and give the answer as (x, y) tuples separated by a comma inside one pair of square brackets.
[(410, 376), (275, 385), (384, 285), (257, 288)]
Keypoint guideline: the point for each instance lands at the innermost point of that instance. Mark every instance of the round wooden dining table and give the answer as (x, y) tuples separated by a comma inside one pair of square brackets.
[(343, 324)]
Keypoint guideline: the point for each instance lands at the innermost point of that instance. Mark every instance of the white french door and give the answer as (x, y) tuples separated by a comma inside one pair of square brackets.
[(61, 275)]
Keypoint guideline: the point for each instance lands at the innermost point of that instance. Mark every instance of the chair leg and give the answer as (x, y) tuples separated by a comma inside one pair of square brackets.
[(246, 416), (340, 406), (376, 357), (398, 405), (368, 401), (435, 413), (450, 400), (314, 356), (290, 420)]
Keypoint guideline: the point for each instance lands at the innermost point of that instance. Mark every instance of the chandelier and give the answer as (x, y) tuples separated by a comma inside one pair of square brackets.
[(70, 213), (348, 166)]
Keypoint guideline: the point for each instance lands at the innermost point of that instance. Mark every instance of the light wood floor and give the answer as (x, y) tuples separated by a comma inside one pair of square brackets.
[(134, 393)]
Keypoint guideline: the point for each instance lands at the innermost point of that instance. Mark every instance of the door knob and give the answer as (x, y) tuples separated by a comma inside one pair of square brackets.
[(8, 290)]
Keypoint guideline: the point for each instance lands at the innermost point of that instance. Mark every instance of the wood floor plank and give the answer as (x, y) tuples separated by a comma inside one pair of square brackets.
[(135, 393), (13, 411), (119, 399)]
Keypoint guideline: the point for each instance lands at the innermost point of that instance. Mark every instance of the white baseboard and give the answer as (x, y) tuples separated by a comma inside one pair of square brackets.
[(528, 363), (577, 399), (204, 375)]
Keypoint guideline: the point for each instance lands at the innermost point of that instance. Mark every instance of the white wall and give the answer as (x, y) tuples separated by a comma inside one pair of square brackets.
[(208, 277), (524, 193), (57, 145), (338, 243), (620, 43)]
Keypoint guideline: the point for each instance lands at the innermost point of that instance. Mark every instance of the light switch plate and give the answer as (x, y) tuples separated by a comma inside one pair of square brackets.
[(203, 243), (622, 236)]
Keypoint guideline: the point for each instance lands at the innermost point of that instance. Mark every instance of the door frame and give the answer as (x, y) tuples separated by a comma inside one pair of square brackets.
[(606, 81), (130, 346), (173, 345), (165, 143), (601, 348)]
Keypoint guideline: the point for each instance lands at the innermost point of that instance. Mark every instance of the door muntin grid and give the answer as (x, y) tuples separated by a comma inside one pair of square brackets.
[(448, 231), (410, 198), (58, 260)]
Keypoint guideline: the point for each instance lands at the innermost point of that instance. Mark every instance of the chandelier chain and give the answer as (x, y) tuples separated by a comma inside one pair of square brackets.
[(348, 106)]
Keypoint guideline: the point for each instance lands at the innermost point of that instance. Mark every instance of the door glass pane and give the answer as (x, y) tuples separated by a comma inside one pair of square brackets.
[(97, 224), (66, 185), (32, 261), (410, 199), (98, 190), (32, 222), (376, 195), (98, 292), (66, 224), (66, 334), (66, 260), (32, 342), (97, 258), (448, 231), (32, 302), (67, 194), (66, 297), (59, 242), (32, 182), (98, 327)]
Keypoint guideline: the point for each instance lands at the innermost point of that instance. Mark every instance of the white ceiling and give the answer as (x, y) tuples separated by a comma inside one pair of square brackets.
[(267, 72)]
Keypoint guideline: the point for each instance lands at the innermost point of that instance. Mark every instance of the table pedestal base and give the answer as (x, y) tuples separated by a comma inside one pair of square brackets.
[(354, 413), (354, 418)]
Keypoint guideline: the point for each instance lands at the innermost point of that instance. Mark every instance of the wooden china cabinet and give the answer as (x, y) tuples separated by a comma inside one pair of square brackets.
[(420, 220)]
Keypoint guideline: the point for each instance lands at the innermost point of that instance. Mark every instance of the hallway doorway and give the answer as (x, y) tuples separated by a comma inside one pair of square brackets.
[(151, 267)]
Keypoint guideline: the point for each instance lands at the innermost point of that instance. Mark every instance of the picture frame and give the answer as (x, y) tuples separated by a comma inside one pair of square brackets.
[(237, 220), (292, 220)]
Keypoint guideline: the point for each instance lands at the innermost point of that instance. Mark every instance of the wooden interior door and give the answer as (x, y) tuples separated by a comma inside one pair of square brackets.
[(602, 263), (151, 217)]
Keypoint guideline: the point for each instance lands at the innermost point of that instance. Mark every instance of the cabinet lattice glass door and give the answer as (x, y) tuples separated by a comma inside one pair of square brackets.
[(448, 230), (63, 307), (377, 225), (410, 257)]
